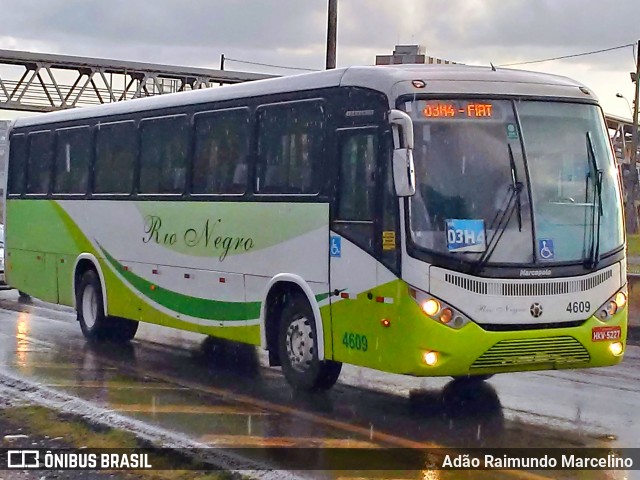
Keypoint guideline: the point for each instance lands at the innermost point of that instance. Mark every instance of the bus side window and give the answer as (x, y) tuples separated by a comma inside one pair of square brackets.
[(163, 160), (73, 153), (39, 163), (220, 161), (290, 148), (116, 152), (17, 162)]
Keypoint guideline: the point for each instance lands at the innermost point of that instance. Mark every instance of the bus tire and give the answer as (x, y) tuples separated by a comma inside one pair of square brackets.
[(122, 329), (23, 296), (298, 348), (95, 325)]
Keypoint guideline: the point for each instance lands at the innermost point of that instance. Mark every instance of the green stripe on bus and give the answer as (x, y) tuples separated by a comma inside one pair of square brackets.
[(185, 304), (192, 306)]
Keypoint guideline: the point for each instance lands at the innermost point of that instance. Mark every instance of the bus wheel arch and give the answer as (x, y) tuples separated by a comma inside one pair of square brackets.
[(292, 332), (278, 291), (85, 262), (91, 306)]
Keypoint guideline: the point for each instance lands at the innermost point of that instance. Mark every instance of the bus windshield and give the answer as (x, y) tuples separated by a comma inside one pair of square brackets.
[(520, 183)]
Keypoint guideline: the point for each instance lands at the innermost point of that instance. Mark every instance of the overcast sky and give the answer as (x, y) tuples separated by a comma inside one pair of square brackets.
[(293, 33)]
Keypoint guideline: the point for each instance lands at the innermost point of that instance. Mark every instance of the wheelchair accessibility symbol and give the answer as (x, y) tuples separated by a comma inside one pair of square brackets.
[(335, 247), (545, 249)]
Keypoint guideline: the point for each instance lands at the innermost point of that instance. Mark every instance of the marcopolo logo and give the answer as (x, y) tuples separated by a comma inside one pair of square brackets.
[(535, 273)]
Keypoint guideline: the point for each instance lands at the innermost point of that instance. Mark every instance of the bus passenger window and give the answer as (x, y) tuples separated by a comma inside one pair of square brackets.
[(220, 161), (39, 164), (163, 159), (290, 147), (17, 162), (116, 152), (73, 152)]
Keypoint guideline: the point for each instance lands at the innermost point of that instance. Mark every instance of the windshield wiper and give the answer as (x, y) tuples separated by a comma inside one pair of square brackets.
[(502, 217), (597, 212), (514, 204), (515, 183)]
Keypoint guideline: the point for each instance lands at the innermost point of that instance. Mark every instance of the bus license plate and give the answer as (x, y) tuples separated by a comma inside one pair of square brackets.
[(601, 334)]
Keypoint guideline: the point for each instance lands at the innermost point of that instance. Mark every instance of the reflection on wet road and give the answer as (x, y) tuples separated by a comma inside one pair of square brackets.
[(223, 395)]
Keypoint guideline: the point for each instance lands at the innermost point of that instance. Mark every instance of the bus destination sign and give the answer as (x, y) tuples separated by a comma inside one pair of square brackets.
[(459, 110)]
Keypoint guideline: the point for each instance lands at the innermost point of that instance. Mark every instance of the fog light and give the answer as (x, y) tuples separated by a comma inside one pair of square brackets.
[(431, 307), (621, 299), (430, 358), (616, 349)]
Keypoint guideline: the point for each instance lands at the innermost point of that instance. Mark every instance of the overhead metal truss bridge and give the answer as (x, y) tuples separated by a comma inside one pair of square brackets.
[(39, 82)]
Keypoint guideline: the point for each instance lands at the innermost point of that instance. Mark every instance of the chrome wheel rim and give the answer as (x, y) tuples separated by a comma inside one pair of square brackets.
[(300, 344), (89, 306)]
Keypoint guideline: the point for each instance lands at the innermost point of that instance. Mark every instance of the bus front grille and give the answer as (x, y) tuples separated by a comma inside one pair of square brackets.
[(521, 288), (511, 353)]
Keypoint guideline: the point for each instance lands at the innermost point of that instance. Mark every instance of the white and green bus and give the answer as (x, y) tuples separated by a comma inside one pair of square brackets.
[(423, 220)]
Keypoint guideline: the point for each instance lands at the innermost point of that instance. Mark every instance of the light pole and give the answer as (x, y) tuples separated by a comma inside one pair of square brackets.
[(632, 180), (332, 33), (619, 95)]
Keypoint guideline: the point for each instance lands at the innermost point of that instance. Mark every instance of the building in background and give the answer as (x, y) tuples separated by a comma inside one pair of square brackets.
[(409, 54)]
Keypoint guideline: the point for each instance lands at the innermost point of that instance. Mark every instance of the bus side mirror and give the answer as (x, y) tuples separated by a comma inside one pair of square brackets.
[(404, 176)]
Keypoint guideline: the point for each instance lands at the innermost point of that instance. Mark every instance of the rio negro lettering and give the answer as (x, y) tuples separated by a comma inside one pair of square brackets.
[(207, 235)]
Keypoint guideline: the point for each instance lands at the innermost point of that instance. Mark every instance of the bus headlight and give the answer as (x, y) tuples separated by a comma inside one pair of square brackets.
[(430, 307), (438, 310), (612, 306)]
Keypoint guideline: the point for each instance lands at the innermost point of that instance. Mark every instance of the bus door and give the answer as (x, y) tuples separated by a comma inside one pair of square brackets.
[(358, 303)]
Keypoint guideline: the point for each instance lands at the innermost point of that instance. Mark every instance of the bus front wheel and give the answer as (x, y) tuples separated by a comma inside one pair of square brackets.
[(95, 325), (298, 349)]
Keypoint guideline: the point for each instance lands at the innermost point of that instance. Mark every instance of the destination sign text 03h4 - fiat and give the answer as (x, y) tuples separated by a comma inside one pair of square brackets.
[(440, 109)]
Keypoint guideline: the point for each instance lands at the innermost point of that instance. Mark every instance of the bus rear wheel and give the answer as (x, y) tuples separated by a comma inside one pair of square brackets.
[(298, 349), (95, 325)]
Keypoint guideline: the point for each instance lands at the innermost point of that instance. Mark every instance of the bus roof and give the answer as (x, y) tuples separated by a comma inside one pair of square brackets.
[(393, 80)]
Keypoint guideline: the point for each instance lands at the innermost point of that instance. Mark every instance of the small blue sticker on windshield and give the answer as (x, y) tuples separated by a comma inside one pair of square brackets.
[(545, 249), (466, 235)]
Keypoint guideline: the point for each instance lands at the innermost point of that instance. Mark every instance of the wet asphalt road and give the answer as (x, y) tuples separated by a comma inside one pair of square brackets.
[(223, 395)]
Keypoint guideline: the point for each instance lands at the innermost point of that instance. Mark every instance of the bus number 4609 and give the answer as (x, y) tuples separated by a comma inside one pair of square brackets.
[(579, 307), (355, 341)]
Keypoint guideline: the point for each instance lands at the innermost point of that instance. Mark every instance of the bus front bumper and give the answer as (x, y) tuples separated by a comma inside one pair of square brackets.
[(475, 351)]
